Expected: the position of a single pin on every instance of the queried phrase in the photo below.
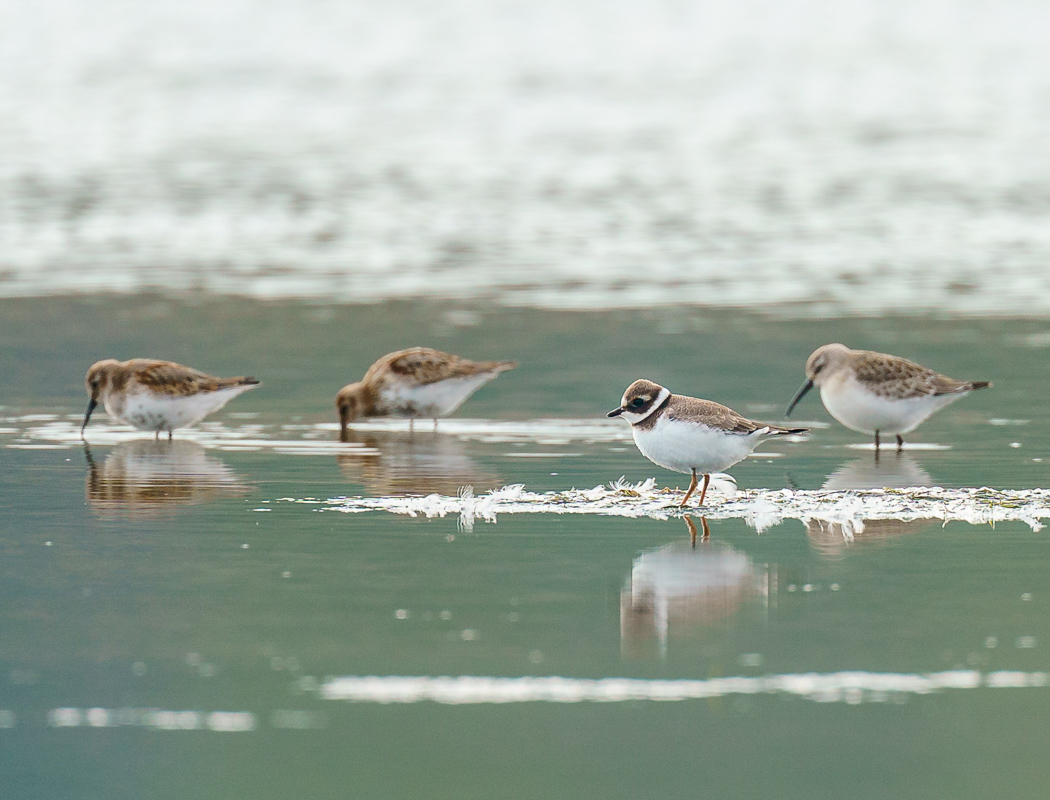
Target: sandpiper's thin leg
(689, 492)
(411, 423)
(900, 443)
(435, 424)
(170, 434)
(876, 441)
(157, 436)
(703, 492)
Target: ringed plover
(686, 434)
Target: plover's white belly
(685, 446)
(862, 410)
(431, 400)
(151, 411)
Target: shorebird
(686, 434)
(158, 395)
(877, 393)
(418, 383)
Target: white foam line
(49, 428)
(850, 687)
(555, 431)
(760, 509)
(65, 434)
(159, 719)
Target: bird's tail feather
(776, 430)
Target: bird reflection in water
(412, 463)
(684, 587)
(896, 472)
(831, 538)
(148, 476)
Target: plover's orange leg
(689, 492)
(703, 492)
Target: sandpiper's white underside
(153, 411)
(859, 409)
(683, 446)
(432, 400)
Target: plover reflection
(683, 587)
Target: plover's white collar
(690, 435)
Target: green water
(193, 601)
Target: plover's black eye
(638, 402)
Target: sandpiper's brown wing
(175, 379)
(898, 378)
(425, 365)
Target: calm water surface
(161, 636)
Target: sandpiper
(878, 393)
(418, 383)
(686, 434)
(158, 395)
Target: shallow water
(194, 617)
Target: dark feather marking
(900, 379)
(714, 415)
(426, 366)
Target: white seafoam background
(839, 157)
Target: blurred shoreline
(813, 158)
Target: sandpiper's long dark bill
(157, 396)
(690, 435)
(417, 383)
(798, 396)
(876, 393)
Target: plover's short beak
(615, 412)
(91, 407)
(801, 393)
